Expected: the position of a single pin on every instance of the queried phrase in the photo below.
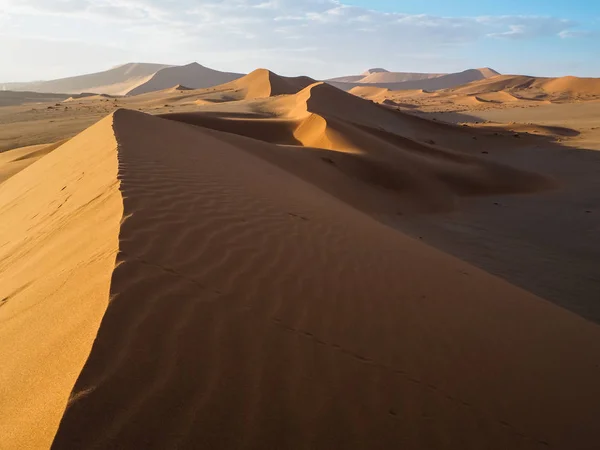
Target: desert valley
(193, 258)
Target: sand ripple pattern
(250, 310)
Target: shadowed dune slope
(193, 76)
(251, 310)
(58, 244)
(377, 156)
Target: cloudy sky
(45, 39)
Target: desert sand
(269, 263)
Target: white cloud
(566, 34)
(227, 32)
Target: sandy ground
(247, 286)
(545, 243)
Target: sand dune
(253, 302)
(379, 155)
(260, 83)
(250, 309)
(58, 244)
(524, 87)
(131, 79)
(496, 91)
(194, 76)
(379, 75)
(118, 81)
(397, 77)
(497, 97)
(371, 93)
(410, 81)
(573, 85)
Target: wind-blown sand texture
(58, 243)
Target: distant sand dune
(523, 87)
(194, 76)
(495, 91)
(410, 81)
(118, 81)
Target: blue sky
(43, 39)
(577, 9)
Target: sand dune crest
(251, 310)
(58, 244)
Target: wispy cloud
(177, 31)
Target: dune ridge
(58, 244)
(249, 309)
(261, 83)
(386, 167)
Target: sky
(47, 39)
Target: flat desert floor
(276, 263)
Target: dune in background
(534, 88)
(383, 75)
(130, 79)
(192, 76)
(513, 91)
(410, 81)
(118, 81)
